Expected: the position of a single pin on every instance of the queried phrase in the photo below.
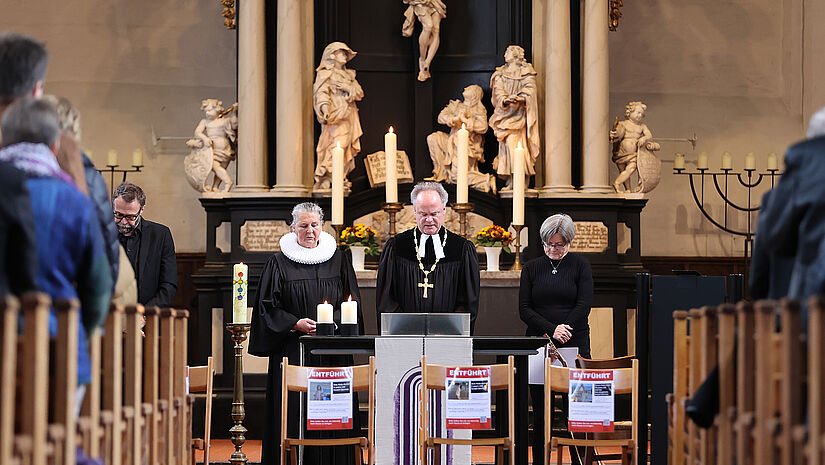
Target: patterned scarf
(36, 160)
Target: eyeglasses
(556, 246)
(119, 216)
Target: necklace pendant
(555, 271)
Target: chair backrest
(816, 376)
(745, 371)
(604, 363)
(65, 368)
(9, 308)
(200, 380)
(35, 396)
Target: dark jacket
(156, 267)
(18, 255)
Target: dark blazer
(18, 253)
(157, 272)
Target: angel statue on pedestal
(213, 147)
(334, 94)
(633, 148)
(443, 146)
(430, 13)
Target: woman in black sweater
(554, 299)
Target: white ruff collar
(297, 253)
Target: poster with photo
(468, 398)
(329, 398)
(591, 400)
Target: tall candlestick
(773, 162)
(338, 184)
(679, 161)
(324, 313)
(750, 161)
(111, 158)
(702, 161)
(349, 312)
(461, 190)
(137, 157)
(518, 185)
(240, 280)
(391, 169)
(727, 161)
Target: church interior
(665, 217)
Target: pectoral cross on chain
(426, 284)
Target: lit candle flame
(325, 302)
(338, 144)
(349, 299)
(463, 126)
(519, 145)
(390, 129)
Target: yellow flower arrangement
(493, 236)
(360, 235)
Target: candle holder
(517, 263)
(238, 332)
(392, 208)
(349, 330)
(462, 209)
(325, 329)
(338, 228)
(112, 169)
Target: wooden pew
(33, 408)
(726, 318)
(680, 387)
(88, 424)
(183, 439)
(793, 365)
(816, 381)
(766, 425)
(133, 388)
(68, 321)
(166, 385)
(112, 412)
(9, 310)
(745, 389)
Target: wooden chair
(112, 410)
(625, 381)
(133, 385)
(9, 309)
(65, 381)
(501, 378)
(294, 378)
(726, 318)
(676, 400)
(745, 382)
(89, 424)
(793, 379)
(151, 380)
(766, 424)
(621, 428)
(200, 380)
(816, 381)
(166, 383)
(183, 442)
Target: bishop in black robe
(287, 292)
(452, 287)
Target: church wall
(731, 71)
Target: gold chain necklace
(426, 284)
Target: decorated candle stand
(519, 186)
(238, 330)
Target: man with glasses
(148, 245)
(428, 269)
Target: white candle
(702, 161)
(773, 163)
(240, 280)
(462, 175)
(391, 169)
(324, 313)
(111, 158)
(338, 184)
(727, 161)
(750, 161)
(137, 157)
(679, 161)
(518, 185)
(349, 312)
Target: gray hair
(307, 207)
(129, 192)
(429, 186)
(30, 120)
(816, 127)
(558, 224)
(68, 114)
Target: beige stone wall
(742, 74)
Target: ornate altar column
(289, 128)
(252, 151)
(595, 99)
(557, 108)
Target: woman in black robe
(309, 270)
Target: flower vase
(492, 257)
(357, 257)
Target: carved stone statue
(430, 13)
(334, 94)
(213, 147)
(515, 115)
(633, 148)
(444, 147)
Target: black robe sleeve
(271, 323)
(467, 298)
(384, 300)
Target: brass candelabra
(517, 263)
(392, 209)
(462, 209)
(238, 332)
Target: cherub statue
(443, 146)
(633, 148)
(213, 146)
(334, 95)
(430, 13)
(515, 118)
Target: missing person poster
(468, 398)
(591, 400)
(329, 398)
